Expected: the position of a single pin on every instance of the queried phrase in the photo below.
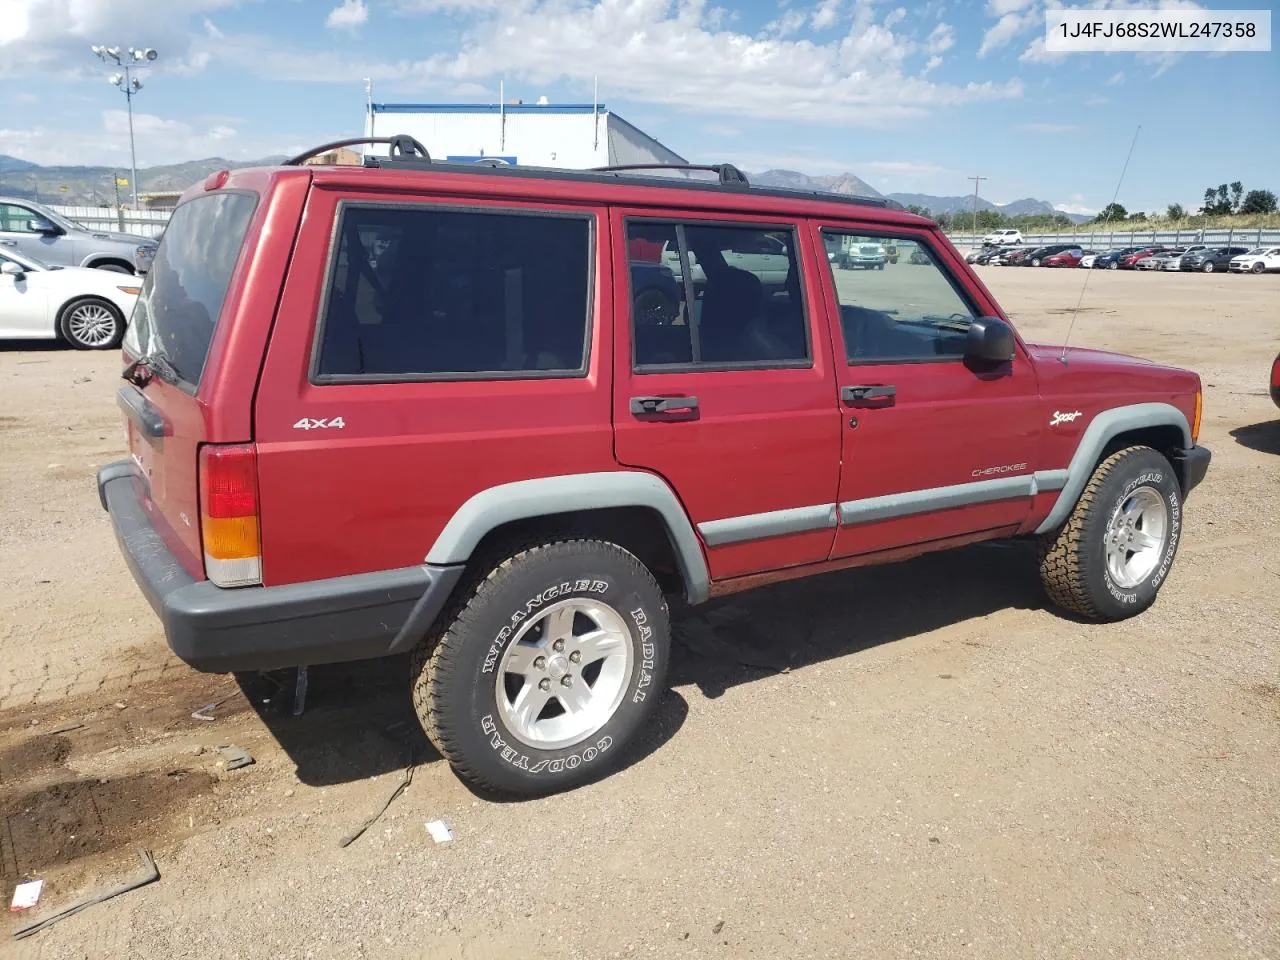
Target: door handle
(663, 406)
(867, 396)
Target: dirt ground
(947, 769)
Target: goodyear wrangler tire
(547, 670)
(1110, 558)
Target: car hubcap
(92, 324)
(1136, 537)
(564, 675)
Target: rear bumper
(220, 630)
(1191, 466)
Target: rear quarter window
(432, 293)
(182, 295)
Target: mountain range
(847, 183)
(96, 185)
(93, 186)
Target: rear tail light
(1275, 373)
(229, 514)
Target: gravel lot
(946, 768)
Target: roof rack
(730, 176)
(402, 145)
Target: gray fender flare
(526, 499)
(1104, 427)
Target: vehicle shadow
(1263, 437)
(359, 721)
(795, 624)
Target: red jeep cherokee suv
(414, 407)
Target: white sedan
(88, 308)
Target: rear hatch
(172, 332)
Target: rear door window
(182, 295)
(430, 293)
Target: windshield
(27, 263)
(182, 296)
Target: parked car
(984, 254)
(1037, 256)
(1015, 257)
(1111, 259)
(1175, 263)
(1130, 261)
(920, 257)
(1087, 260)
(1157, 260)
(479, 456)
(1257, 260)
(87, 308)
(1212, 258)
(1003, 238)
(33, 230)
(1070, 257)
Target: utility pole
(975, 204)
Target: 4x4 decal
(306, 423)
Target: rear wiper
(139, 372)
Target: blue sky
(910, 96)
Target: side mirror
(11, 269)
(990, 342)
(43, 226)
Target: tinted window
(740, 305)
(908, 311)
(13, 219)
(428, 293)
(182, 295)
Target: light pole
(129, 60)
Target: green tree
(1258, 201)
(1175, 212)
(1112, 211)
(1237, 188)
(1138, 216)
(1216, 202)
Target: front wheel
(548, 670)
(1113, 265)
(91, 323)
(1256, 268)
(1207, 268)
(1035, 263)
(1115, 550)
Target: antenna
(1111, 210)
(595, 111)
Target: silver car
(34, 230)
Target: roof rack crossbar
(401, 145)
(730, 176)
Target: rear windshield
(182, 295)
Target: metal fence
(1100, 240)
(144, 223)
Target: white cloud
(789, 23)
(826, 14)
(1049, 127)
(348, 15)
(159, 140)
(671, 52)
(50, 39)
(933, 63)
(941, 39)
(1116, 79)
(998, 8)
(1005, 29)
(1077, 208)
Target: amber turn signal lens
(1195, 424)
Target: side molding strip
(1101, 429)
(526, 499)
(775, 523)
(895, 505)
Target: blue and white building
(570, 135)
